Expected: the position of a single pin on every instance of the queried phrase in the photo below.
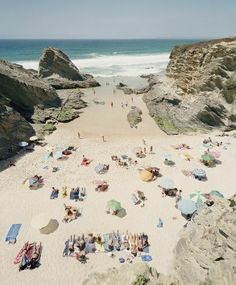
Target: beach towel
(90, 247)
(146, 258)
(12, 233)
(20, 253)
(74, 195)
(54, 194)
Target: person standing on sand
(144, 142)
(151, 149)
(103, 138)
(111, 104)
(79, 135)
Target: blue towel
(54, 194)
(74, 195)
(12, 233)
(146, 258)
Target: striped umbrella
(199, 172)
(197, 197)
(167, 183)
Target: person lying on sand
(70, 214)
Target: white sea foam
(113, 65)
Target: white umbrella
(23, 144)
(33, 138)
(40, 221)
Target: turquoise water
(99, 57)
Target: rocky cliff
(198, 89)
(206, 251)
(26, 101)
(60, 72)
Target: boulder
(60, 72)
(54, 62)
(134, 117)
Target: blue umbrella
(187, 207)
(199, 172)
(216, 194)
(167, 183)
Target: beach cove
(96, 121)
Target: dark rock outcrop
(198, 90)
(23, 90)
(134, 117)
(60, 72)
(25, 100)
(206, 251)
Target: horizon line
(151, 38)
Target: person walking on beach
(144, 142)
(111, 104)
(79, 135)
(103, 138)
(151, 149)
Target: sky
(109, 19)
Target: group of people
(75, 193)
(133, 244)
(143, 152)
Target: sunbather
(70, 214)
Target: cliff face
(198, 89)
(23, 89)
(207, 249)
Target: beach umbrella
(145, 175)
(114, 205)
(23, 144)
(197, 197)
(167, 155)
(40, 221)
(51, 227)
(33, 138)
(99, 168)
(199, 172)
(216, 194)
(166, 183)
(208, 157)
(58, 154)
(187, 207)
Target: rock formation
(134, 116)
(198, 90)
(61, 73)
(206, 251)
(25, 98)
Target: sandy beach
(19, 204)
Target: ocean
(98, 57)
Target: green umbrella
(216, 194)
(207, 157)
(114, 205)
(197, 197)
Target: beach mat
(12, 233)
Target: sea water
(98, 57)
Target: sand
(19, 204)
